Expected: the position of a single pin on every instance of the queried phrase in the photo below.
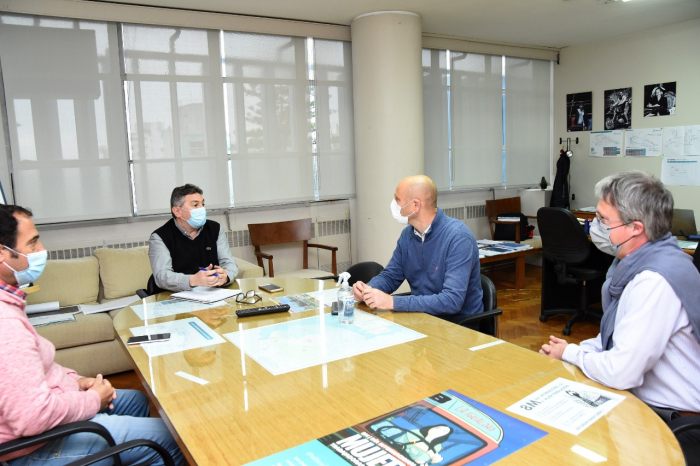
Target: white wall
(666, 54)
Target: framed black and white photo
(660, 99)
(579, 111)
(618, 108)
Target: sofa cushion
(93, 328)
(70, 282)
(123, 271)
(248, 270)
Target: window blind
(65, 117)
(176, 114)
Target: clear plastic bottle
(346, 300)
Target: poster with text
(660, 99)
(579, 111)
(618, 108)
(444, 429)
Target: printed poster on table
(444, 429)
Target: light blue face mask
(37, 262)
(198, 217)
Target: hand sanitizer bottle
(346, 300)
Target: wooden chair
(262, 234)
(496, 207)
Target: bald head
(420, 187)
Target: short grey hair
(638, 196)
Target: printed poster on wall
(660, 99)
(618, 108)
(579, 111)
(606, 143)
(445, 429)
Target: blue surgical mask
(37, 262)
(198, 217)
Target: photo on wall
(660, 99)
(618, 108)
(579, 111)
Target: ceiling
(550, 23)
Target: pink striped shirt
(36, 394)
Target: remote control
(258, 311)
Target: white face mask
(396, 212)
(600, 235)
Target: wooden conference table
(245, 413)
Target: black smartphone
(270, 288)
(148, 338)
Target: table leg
(520, 272)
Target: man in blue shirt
(436, 254)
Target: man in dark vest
(190, 250)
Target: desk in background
(245, 413)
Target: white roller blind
(476, 85)
(527, 127)
(6, 194)
(436, 117)
(269, 118)
(176, 114)
(65, 117)
(334, 118)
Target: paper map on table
(301, 343)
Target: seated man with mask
(188, 250)
(436, 254)
(649, 340)
(36, 393)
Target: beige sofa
(88, 344)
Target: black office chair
(488, 320)
(572, 266)
(362, 271)
(112, 451)
(150, 290)
(687, 431)
(696, 258)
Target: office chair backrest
(696, 259)
(490, 298)
(280, 232)
(562, 236)
(364, 272)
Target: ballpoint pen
(202, 268)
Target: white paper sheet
(692, 140)
(205, 294)
(172, 307)
(680, 171)
(643, 142)
(606, 143)
(185, 334)
(108, 306)
(674, 141)
(567, 405)
(43, 307)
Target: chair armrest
(323, 246)
(406, 293)
(263, 255)
(481, 316)
(683, 424)
(58, 432)
(142, 293)
(114, 452)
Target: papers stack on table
(488, 247)
(205, 294)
